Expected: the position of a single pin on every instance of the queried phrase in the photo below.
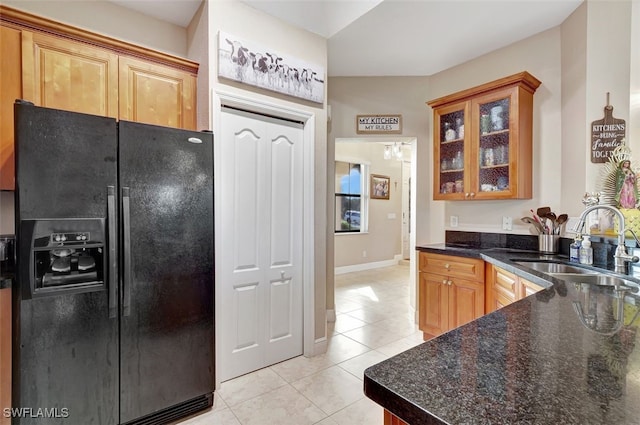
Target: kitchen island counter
(531, 362)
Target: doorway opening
(384, 223)
(386, 234)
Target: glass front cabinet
(482, 141)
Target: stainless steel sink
(554, 268)
(598, 280)
(576, 274)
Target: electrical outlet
(507, 223)
(364, 254)
(453, 221)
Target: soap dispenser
(586, 252)
(574, 249)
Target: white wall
(351, 96)
(199, 43)
(246, 23)
(574, 117)
(633, 128)
(608, 70)
(540, 55)
(109, 19)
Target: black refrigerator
(113, 317)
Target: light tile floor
(373, 322)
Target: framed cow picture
(250, 63)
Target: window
(350, 204)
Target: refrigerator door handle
(126, 247)
(113, 257)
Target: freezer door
(65, 346)
(167, 267)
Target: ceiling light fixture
(397, 151)
(393, 151)
(387, 152)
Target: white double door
(259, 267)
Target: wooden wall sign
(606, 134)
(379, 124)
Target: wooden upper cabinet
(68, 75)
(482, 140)
(156, 94)
(60, 66)
(10, 90)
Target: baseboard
(320, 346)
(331, 316)
(368, 266)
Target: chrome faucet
(620, 257)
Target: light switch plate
(453, 221)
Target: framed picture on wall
(379, 186)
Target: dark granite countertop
(532, 362)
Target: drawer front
(452, 266)
(505, 283)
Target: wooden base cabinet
(391, 419)
(450, 292)
(504, 288)
(528, 288)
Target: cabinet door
(10, 90)
(496, 301)
(497, 140)
(502, 288)
(156, 94)
(433, 293)
(391, 419)
(528, 288)
(502, 144)
(466, 301)
(451, 152)
(63, 74)
(505, 283)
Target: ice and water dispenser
(65, 255)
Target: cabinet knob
(473, 194)
(444, 281)
(466, 195)
(447, 266)
(449, 282)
